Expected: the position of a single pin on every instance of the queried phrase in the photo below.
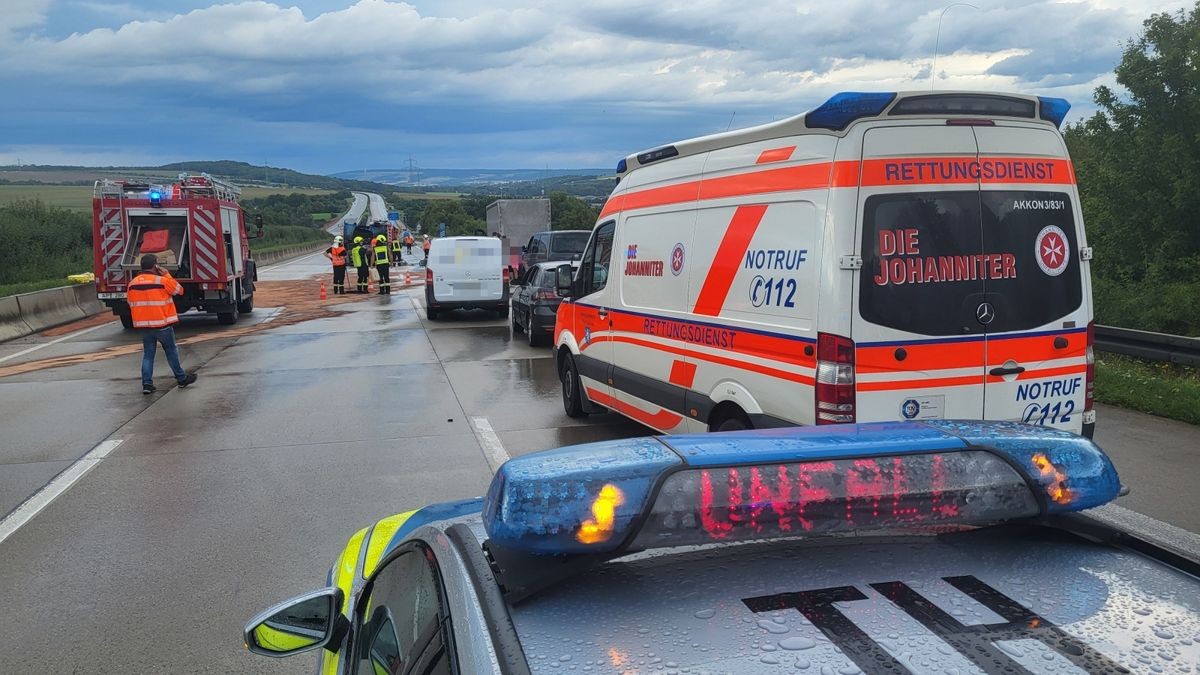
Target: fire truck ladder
(206, 185)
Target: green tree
(1137, 162)
(451, 212)
(570, 213)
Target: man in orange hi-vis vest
(153, 312)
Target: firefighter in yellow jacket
(383, 264)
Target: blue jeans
(150, 340)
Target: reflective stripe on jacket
(357, 257)
(150, 303)
(338, 255)
(381, 254)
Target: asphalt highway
(198, 507)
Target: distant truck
(516, 221)
(195, 227)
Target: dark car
(535, 303)
(553, 245)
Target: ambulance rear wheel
(572, 401)
(730, 419)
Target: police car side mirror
(563, 280)
(302, 624)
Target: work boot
(148, 389)
(191, 377)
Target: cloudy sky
(326, 85)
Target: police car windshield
(973, 601)
(930, 259)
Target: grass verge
(1160, 389)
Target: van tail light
(835, 379)
(428, 277)
(504, 274)
(1089, 383)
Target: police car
(935, 546)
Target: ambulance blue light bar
(1054, 109)
(841, 109)
(694, 489)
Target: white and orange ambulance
(883, 257)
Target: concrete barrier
(12, 326)
(48, 308)
(85, 299)
(28, 313)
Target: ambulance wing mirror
(563, 280)
(302, 624)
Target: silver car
(933, 547)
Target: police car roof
(835, 115)
(1046, 599)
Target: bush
(39, 243)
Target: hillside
(240, 173)
(459, 177)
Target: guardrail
(1150, 346)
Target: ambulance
(885, 256)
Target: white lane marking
(52, 490)
(68, 336)
(493, 449)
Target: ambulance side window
(593, 268)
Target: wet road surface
(239, 491)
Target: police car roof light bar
(613, 497)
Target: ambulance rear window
(931, 259)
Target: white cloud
(272, 63)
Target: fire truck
(194, 226)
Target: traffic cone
(322, 290)
(407, 278)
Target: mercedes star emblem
(985, 313)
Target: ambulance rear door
(920, 350)
(1037, 338)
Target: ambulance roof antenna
(938, 41)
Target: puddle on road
(298, 301)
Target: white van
(882, 257)
(465, 273)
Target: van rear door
(1037, 342)
(467, 269)
(920, 350)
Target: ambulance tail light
(428, 277)
(1089, 385)
(835, 379)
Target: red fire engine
(194, 226)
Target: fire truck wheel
(126, 321)
(228, 318)
(246, 305)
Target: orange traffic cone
(407, 278)
(322, 290)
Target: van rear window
(472, 251)
(568, 244)
(930, 260)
